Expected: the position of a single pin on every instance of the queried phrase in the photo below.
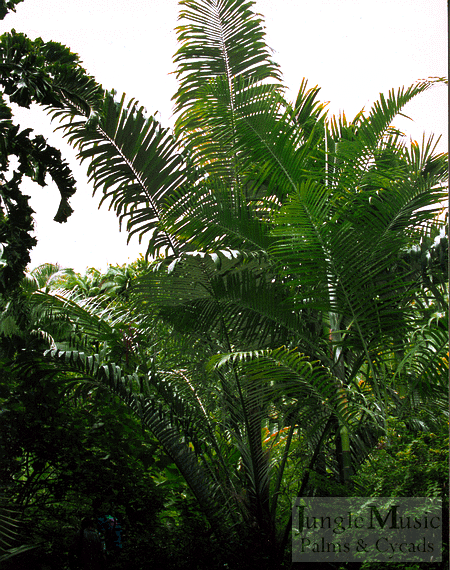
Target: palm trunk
(343, 436)
(287, 529)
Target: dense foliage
(290, 325)
(30, 71)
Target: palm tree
(278, 236)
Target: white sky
(352, 49)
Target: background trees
(284, 320)
(31, 71)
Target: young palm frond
(220, 40)
(369, 148)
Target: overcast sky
(352, 49)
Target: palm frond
(353, 147)
(222, 56)
(345, 245)
(307, 110)
(293, 375)
(45, 276)
(17, 550)
(371, 128)
(10, 526)
(236, 301)
(270, 135)
(12, 531)
(219, 39)
(136, 164)
(423, 369)
(211, 217)
(66, 320)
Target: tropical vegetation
(287, 326)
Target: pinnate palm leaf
(12, 531)
(222, 54)
(286, 147)
(65, 316)
(212, 217)
(353, 146)
(136, 164)
(221, 297)
(424, 366)
(219, 38)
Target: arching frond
(136, 164)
